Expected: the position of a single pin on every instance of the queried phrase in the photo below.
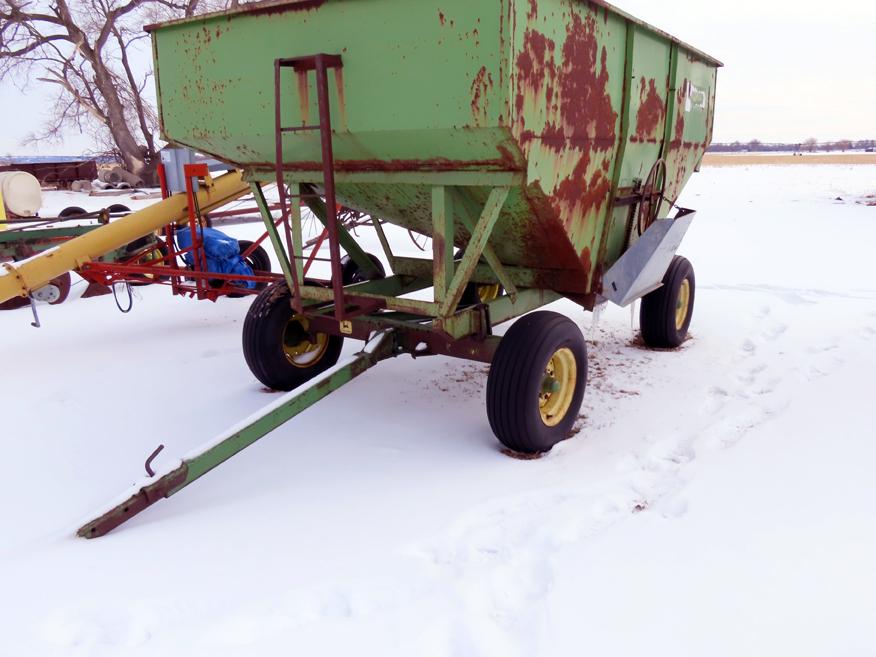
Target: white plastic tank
(21, 193)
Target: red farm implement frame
(158, 260)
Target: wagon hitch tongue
(239, 437)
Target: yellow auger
(24, 277)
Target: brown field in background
(729, 160)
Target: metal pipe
(24, 277)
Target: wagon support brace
(454, 282)
(242, 436)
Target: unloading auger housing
(23, 278)
(540, 144)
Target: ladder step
(309, 63)
(300, 128)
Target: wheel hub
(558, 387)
(297, 345)
(488, 292)
(682, 304)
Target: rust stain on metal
(580, 124)
(588, 120)
(303, 95)
(145, 497)
(585, 106)
(651, 112)
(536, 70)
(342, 103)
(483, 82)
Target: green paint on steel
(533, 89)
(273, 233)
(468, 216)
(442, 241)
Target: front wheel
(536, 382)
(666, 312)
(278, 346)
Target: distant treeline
(810, 145)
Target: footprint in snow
(775, 332)
(749, 376)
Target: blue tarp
(222, 251)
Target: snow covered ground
(717, 501)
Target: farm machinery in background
(189, 255)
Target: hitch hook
(151, 458)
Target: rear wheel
(278, 346)
(351, 272)
(536, 382)
(666, 312)
(258, 260)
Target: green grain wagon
(541, 144)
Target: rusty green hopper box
(577, 98)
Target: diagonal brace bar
(479, 238)
(468, 209)
(273, 234)
(240, 437)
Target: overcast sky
(793, 69)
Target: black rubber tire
(118, 208)
(350, 272)
(72, 211)
(63, 284)
(264, 330)
(516, 376)
(258, 260)
(657, 314)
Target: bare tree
(83, 49)
(810, 144)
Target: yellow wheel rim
(151, 256)
(682, 305)
(488, 293)
(558, 387)
(298, 348)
